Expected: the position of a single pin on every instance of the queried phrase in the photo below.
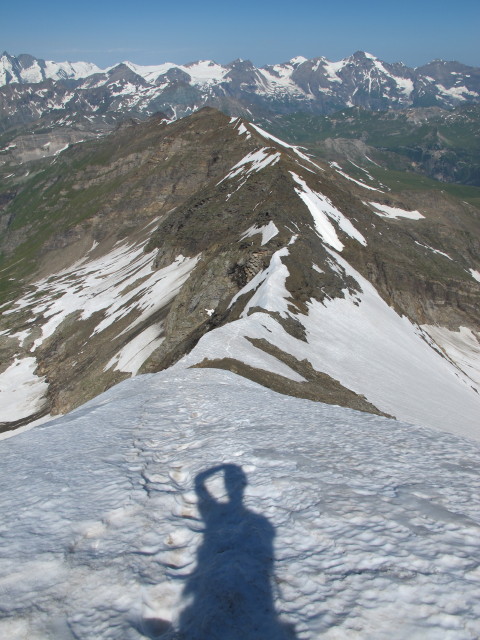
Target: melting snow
(286, 145)
(22, 392)
(475, 274)
(256, 159)
(339, 170)
(385, 211)
(322, 211)
(117, 284)
(62, 149)
(268, 232)
(426, 246)
(131, 357)
(114, 284)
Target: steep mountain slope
(210, 238)
(133, 519)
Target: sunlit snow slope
(197, 504)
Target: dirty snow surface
(196, 504)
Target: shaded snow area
(268, 286)
(22, 392)
(196, 504)
(384, 211)
(462, 346)
(369, 348)
(131, 357)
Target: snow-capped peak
(298, 60)
(27, 69)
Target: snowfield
(196, 504)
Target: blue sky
(148, 32)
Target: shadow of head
(235, 482)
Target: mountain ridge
(209, 242)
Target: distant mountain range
(34, 88)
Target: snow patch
(426, 246)
(116, 284)
(384, 211)
(339, 170)
(323, 211)
(257, 160)
(475, 274)
(462, 347)
(268, 232)
(298, 60)
(296, 150)
(385, 357)
(458, 92)
(269, 286)
(231, 341)
(22, 392)
(131, 357)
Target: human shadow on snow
(230, 592)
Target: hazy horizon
(148, 32)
